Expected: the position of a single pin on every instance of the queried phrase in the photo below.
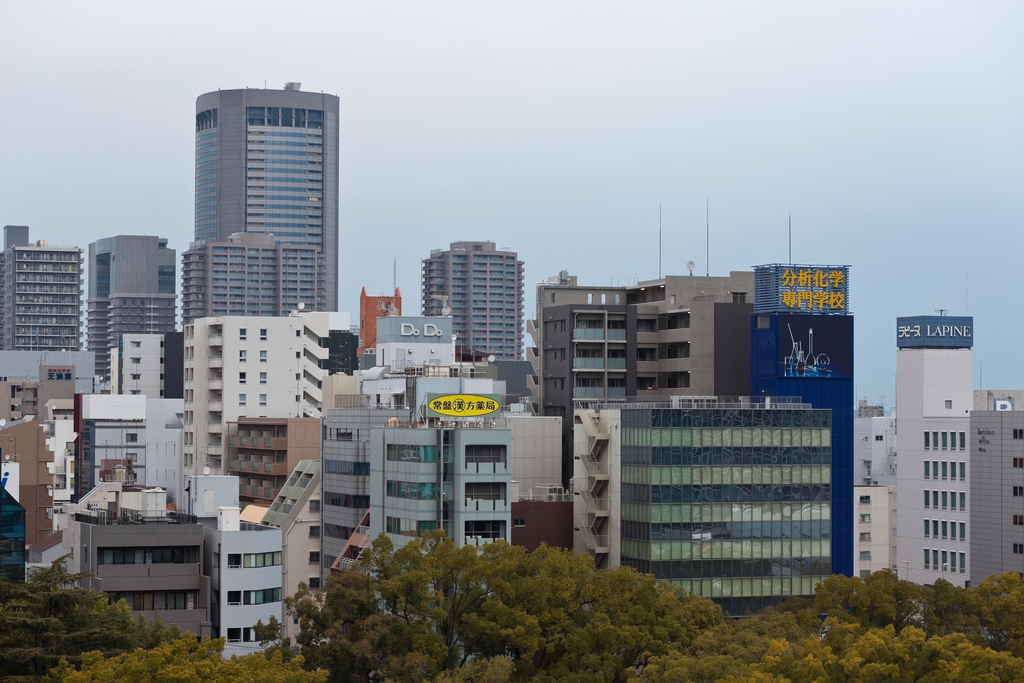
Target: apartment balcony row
(598, 363)
(278, 443)
(276, 468)
(599, 333)
(598, 392)
(261, 492)
(481, 505)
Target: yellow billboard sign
(463, 405)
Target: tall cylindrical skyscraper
(267, 163)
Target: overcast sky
(891, 131)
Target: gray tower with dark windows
(131, 291)
(267, 163)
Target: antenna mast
(659, 241)
(790, 239)
(707, 236)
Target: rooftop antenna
(394, 276)
(790, 239)
(659, 241)
(707, 236)
(967, 294)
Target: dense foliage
(431, 611)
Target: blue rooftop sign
(935, 332)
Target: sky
(890, 132)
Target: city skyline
(558, 132)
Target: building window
(927, 440)
(142, 601)
(927, 528)
(879, 437)
(963, 500)
(1018, 491)
(234, 597)
(927, 558)
(963, 441)
(865, 555)
(963, 531)
(944, 500)
(865, 518)
(944, 529)
(935, 528)
(314, 506)
(314, 531)
(963, 563)
(241, 378)
(927, 499)
(241, 334)
(1018, 433)
(235, 634)
(263, 356)
(261, 597)
(949, 405)
(1018, 462)
(241, 355)
(263, 334)
(268, 559)
(1018, 548)
(865, 536)
(963, 471)
(944, 440)
(241, 402)
(865, 500)
(234, 560)
(314, 557)
(927, 469)
(263, 378)
(519, 522)
(263, 400)
(131, 438)
(1018, 520)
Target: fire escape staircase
(592, 522)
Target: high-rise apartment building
(934, 399)
(681, 335)
(247, 367)
(250, 275)
(484, 289)
(40, 294)
(267, 163)
(131, 290)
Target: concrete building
(25, 365)
(111, 440)
(48, 396)
(131, 290)
(40, 294)
(13, 553)
(865, 410)
(267, 163)
(247, 367)
(139, 551)
(875, 528)
(60, 441)
(997, 486)
(263, 451)
(874, 451)
(148, 365)
(411, 493)
(371, 308)
(296, 512)
(252, 275)
(24, 442)
(244, 562)
(346, 471)
(729, 498)
(542, 516)
(163, 446)
(674, 336)
(483, 287)
(934, 399)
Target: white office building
(244, 565)
(874, 529)
(934, 399)
(247, 367)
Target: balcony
(215, 362)
(215, 428)
(588, 363)
(616, 391)
(587, 333)
(588, 392)
(616, 363)
(616, 335)
(216, 340)
(215, 406)
(215, 385)
(486, 505)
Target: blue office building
(12, 537)
(801, 344)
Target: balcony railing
(588, 392)
(587, 333)
(588, 363)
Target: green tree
(52, 617)
(184, 660)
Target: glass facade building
(732, 503)
(267, 163)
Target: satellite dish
(690, 265)
(302, 306)
(490, 359)
(3, 422)
(206, 470)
